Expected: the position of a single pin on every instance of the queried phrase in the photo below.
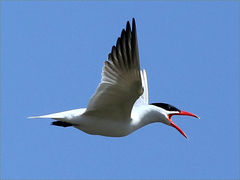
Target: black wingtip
(118, 42)
(128, 27)
(133, 22)
(114, 51)
(134, 28)
(110, 56)
(123, 33)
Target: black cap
(165, 106)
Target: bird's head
(168, 111)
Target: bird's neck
(144, 115)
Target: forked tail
(64, 119)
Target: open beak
(180, 113)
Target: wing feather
(121, 83)
(143, 99)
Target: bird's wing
(121, 83)
(143, 99)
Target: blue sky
(52, 53)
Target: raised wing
(143, 99)
(121, 83)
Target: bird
(120, 104)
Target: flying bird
(120, 104)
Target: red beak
(187, 114)
(180, 113)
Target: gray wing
(121, 83)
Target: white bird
(120, 104)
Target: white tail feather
(62, 116)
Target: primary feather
(121, 83)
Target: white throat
(143, 115)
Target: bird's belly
(105, 127)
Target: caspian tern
(120, 104)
